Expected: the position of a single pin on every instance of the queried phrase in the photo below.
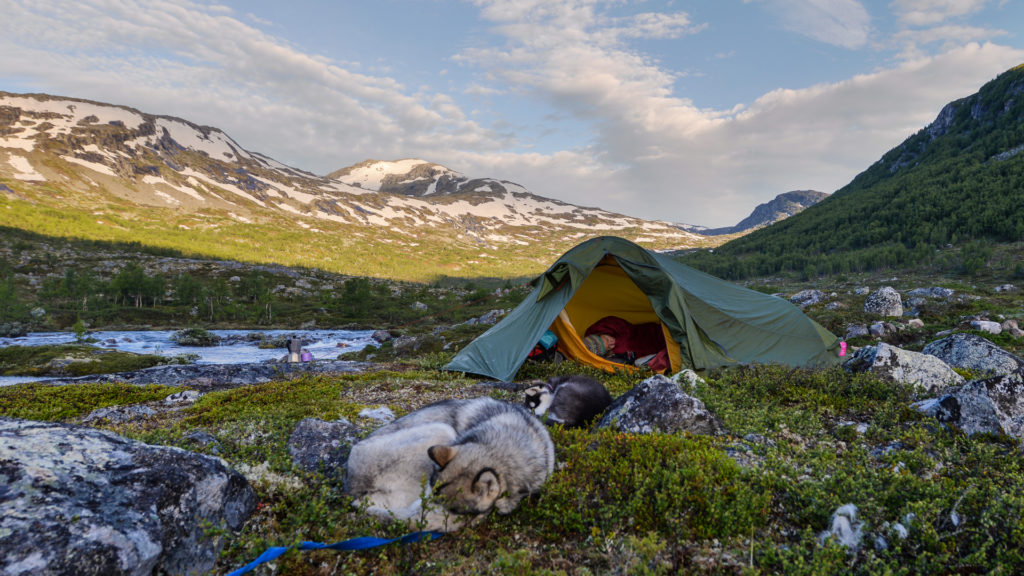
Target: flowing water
(236, 347)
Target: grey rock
(917, 302)
(381, 414)
(491, 317)
(207, 377)
(935, 293)
(861, 291)
(806, 298)
(689, 377)
(1006, 393)
(381, 336)
(884, 302)
(119, 414)
(78, 500)
(1006, 288)
(204, 440)
(856, 331)
(987, 326)
(316, 444)
(659, 405)
(904, 366)
(882, 329)
(972, 352)
(844, 528)
(992, 405)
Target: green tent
(708, 323)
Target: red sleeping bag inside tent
(639, 339)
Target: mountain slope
(71, 167)
(959, 181)
(781, 207)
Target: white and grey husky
(471, 455)
(572, 401)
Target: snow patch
(371, 176)
(20, 143)
(215, 144)
(168, 198)
(24, 170)
(222, 185)
(71, 112)
(95, 166)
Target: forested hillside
(958, 184)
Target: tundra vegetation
(756, 500)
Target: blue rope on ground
(361, 543)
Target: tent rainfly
(708, 323)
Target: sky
(686, 111)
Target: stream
(236, 347)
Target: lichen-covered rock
(991, 405)
(806, 298)
(935, 293)
(882, 329)
(904, 366)
(659, 405)
(77, 500)
(885, 301)
(318, 445)
(972, 352)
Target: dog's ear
(486, 487)
(441, 454)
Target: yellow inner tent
(607, 291)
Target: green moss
(72, 360)
(681, 488)
(60, 403)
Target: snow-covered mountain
(88, 150)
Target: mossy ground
(750, 502)
(74, 360)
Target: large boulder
(319, 445)
(904, 366)
(972, 352)
(885, 301)
(991, 405)
(76, 500)
(659, 405)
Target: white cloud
(844, 23)
(930, 12)
(701, 167)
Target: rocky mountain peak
(781, 207)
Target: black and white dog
(572, 401)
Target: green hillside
(956, 185)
